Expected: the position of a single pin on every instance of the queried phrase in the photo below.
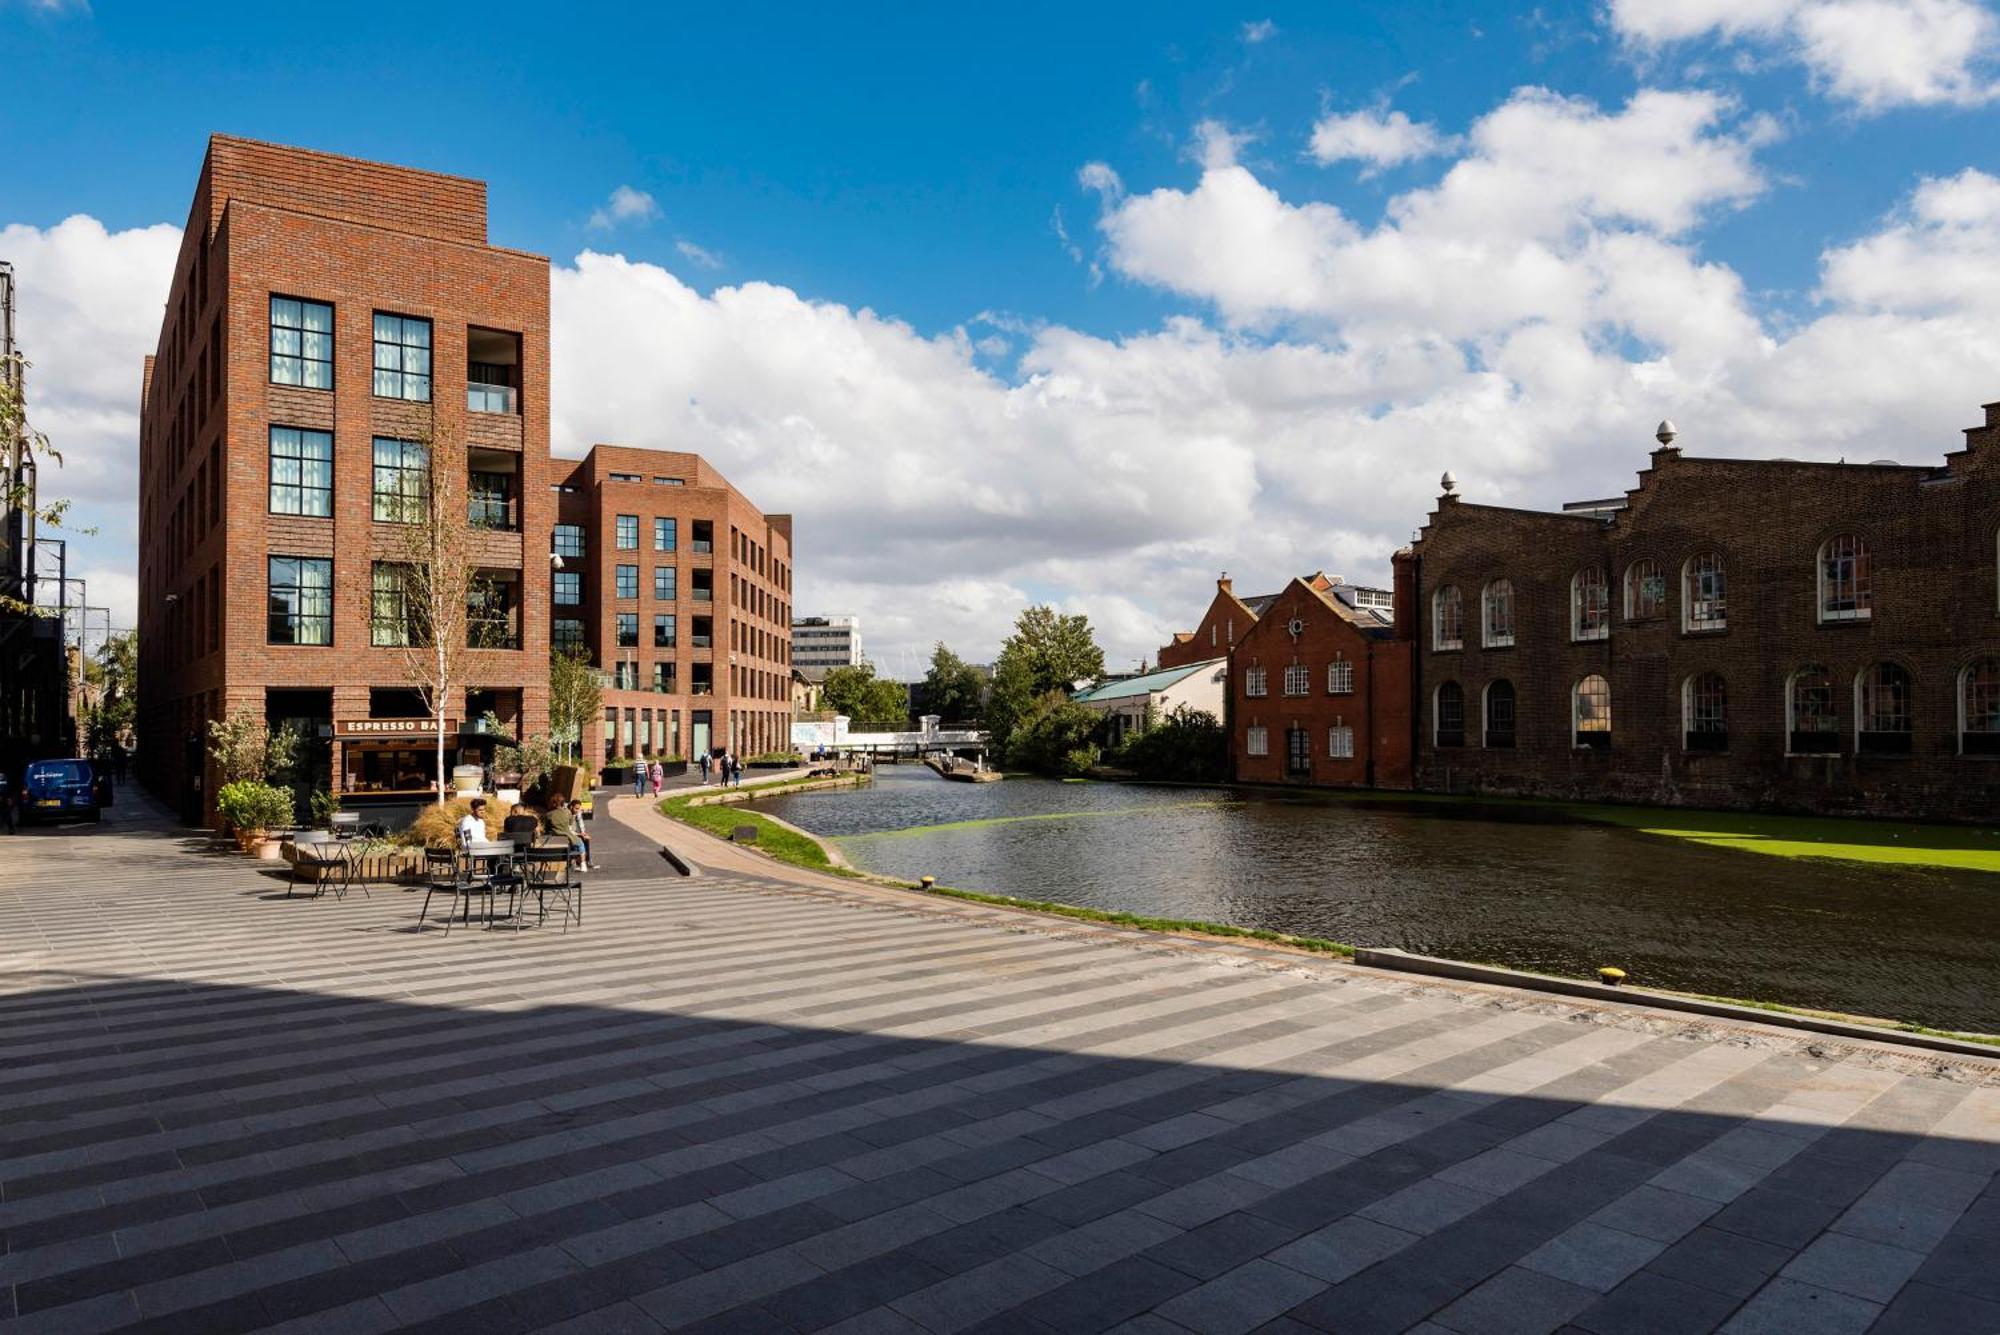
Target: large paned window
(1844, 593)
(1812, 724)
(569, 540)
(1979, 708)
(665, 584)
(1704, 594)
(301, 471)
(301, 600)
(1298, 679)
(1448, 714)
(626, 581)
(1645, 591)
(1497, 615)
(1340, 677)
(389, 605)
(566, 634)
(1500, 714)
(1298, 752)
(1590, 713)
(1255, 682)
(665, 634)
(1447, 618)
(569, 588)
(1705, 713)
(628, 630)
(402, 357)
(1589, 605)
(1882, 710)
(402, 481)
(626, 533)
(1340, 742)
(665, 534)
(1257, 741)
(301, 343)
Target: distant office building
(826, 642)
(680, 589)
(330, 323)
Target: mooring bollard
(1610, 976)
(928, 882)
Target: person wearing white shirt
(472, 825)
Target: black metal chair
(323, 861)
(548, 873)
(344, 825)
(456, 876)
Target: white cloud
(1875, 54)
(625, 205)
(699, 255)
(1262, 30)
(1378, 137)
(1099, 177)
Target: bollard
(928, 882)
(1610, 977)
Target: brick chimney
(1223, 584)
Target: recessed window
(1447, 618)
(569, 588)
(627, 628)
(569, 540)
(1705, 713)
(1298, 679)
(1448, 714)
(1589, 605)
(301, 600)
(402, 357)
(402, 481)
(626, 533)
(665, 585)
(627, 581)
(1500, 714)
(1979, 708)
(1882, 710)
(664, 534)
(1645, 591)
(665, 635)
(1590, 713)
(1704, 594)
(301, 471)
(1497, 615)
(1255, 681)
(1257, 741)
(1340, 677)
(566, 634)
(301, 343)
(1340, 742)
(1844, 593)
(389, 605)
(1812, 725)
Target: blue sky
(926, 166)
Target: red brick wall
(1373, 709)
(1226, 621)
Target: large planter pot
(465, 779)
(270, 848)
(246, 840)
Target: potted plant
(253, 809)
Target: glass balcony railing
(493, 512)
(491, 398)
(702, 641)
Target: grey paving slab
(750, 1104)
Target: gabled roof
(1145, 684)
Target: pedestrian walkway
(742, 1102)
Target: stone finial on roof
(1448, 482)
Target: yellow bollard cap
(927, 882)
(1610, 976)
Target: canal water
(1494, 883)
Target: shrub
(248, 804)
(1187, 746)
(437, 826)
(324, 806)
(1052, 736)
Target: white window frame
(1257, 740)
(1256, 681)
(1340, 677)
(1576, 708)
(1577, 630)
(1340, 742)
(1298, 679)
(1488, 637)
(1439, 640)
(1861, 576)
(1718, 619)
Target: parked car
(54, 789)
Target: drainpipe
(1416, 667)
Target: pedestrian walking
(736, 770)
(704, 768)
(638, 778)
(659, 777)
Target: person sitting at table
(566, 819)
(472, 825)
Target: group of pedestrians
(726, 767)
(643, 775)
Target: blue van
(54, 789)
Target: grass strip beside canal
(1318, 945)
(721, 820)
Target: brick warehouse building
(327, 318)
(681, 589)
(1744, 633)
(1319, 691)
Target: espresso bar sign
(391, 727)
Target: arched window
(1500, 714)
(1882, 710)
(1705, 713)
(1589, 605)
(1812, 727)
(1590, 712)
(1843, 580)
(1497, 618)
(1979, 708)
(1645, 591)
(1448, 714)
(1704, 593)
(1447, 619)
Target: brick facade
(1764, 686)
(1313, 669)
(669, 699)
(362, 238)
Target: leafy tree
(112, 679)
(1187, 746)
(576, 699)
(1052, 736)
(244, 747)
(1047, 652)
(865, 698)
(953, 688)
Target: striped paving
(740, 1103)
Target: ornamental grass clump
(436, 826)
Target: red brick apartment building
(681, 589)
(1742, 633)
(330, 320)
